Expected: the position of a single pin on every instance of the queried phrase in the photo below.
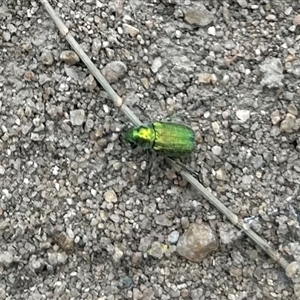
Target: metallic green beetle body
(166, 138)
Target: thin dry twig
(133, 118)
(262, 243)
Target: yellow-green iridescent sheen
(173, 139)
(166, 138)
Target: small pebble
(221, 174)
(96, 46)
(207, 78)
(2, 170)
(6, 258)
(216, 150)
(110, 196)
(272, 70)
(275, 117)
(69, 57)
(197, 242)
(77, 117)
(243, 115)
(163, 220)
(292, 109)
(288, 123)
(247, 179)
(47, 58)
(157, 250)
(11, 28)
(211, 30)
(297, 20)
(215, 127)
(292, 269)
(173, 237)
(198, 15)
(242, 3)
(114, 71)
(145, 83)
(6, 36)
(90, 83)
(130, 30)
(157, 63)
(288, 11)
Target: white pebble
(243, 115)
(211, 30)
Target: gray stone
(110, 196)
(288, 11)
(145, 82)
(69, 57)
(197, 242)
(114, 71)
(216, 150)
(157, 63)
(198, 15)
(136, 258)
(57, 258)
(292, 269)
(157, 250)
(47, 58)
(289, 96)
(163, 220)
(115, 218)
(211, 30)
(292, 109)
(90, 83)
(215, 127)
(207, 78)
(272, 70)
(257, 161)
(243, 115)
(6, 36)
(96, 46)
(77, 117)
(242, 3)
(271, 17)
(44, 78)
(2, 170)
(11, 28)
(247, 179)
(173, 237)
(221, 174)
(130, 30)
(6, 258)
(71, 72)
(36, 137)
(297, 124)
(36, 263)
(64, 241)
(117, 254)
(185, 222)
(229, 45)
(275, 117)
(288, 123)
(296, 71)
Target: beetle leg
(152, 157)
(143, 111)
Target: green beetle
(165, 138)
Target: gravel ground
(77, 220)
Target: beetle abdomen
(173, 139)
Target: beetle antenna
(143, 111)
